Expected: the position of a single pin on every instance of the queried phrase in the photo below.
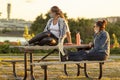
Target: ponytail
(101, 24)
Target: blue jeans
(95, 56)
(83, 55)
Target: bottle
(78, 40)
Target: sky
(30, 9)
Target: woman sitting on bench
(55, 29)
(100, 47)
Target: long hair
(58, 11)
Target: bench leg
(100, 72)
(65, 71)
(45, 71)
(25, 66)
(14, 69)
(78, 69)
(31, 67)
(47, 55)
(85, 70)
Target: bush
(7, 41)
(4, 48)
(15, 50)
(115, 51)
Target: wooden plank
(68, 62)
(41, 47)
(12, 60)
(77, 46)
(29, 60)
(49, 47)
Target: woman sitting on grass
(55, 29)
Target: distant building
(14, 24)
(109, 19)
(113, 19)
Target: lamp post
(0, 13)
(8, 10)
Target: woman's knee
(48, 41)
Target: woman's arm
(65, 30)
(48, 25)
(68, 34)
(69, 37)
(102, 41)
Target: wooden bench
(13, 62)
(45, 64)
(60, 48)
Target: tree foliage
(39, 24)
(84, 26)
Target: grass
(21, 54)
(111, 71)
(38, 54)
(117, 59)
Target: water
(12, 39)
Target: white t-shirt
(55, 29)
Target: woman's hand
(68, 43)
(90, 44)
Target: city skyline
(30, 9)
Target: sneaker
(25, 43)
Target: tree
(38, 25)
(84, 26)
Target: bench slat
(29, 60)
(50, 47)
(12, 60)
(67, 62)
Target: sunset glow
(30, 9)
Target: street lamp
(0, 13)
(8, 10)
